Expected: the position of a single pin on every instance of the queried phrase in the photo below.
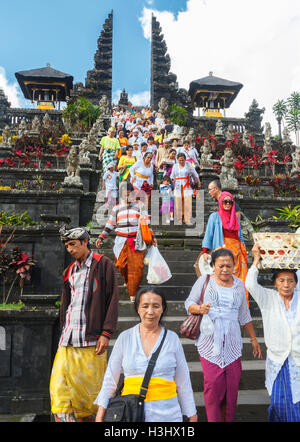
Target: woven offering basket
(278, 250)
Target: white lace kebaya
(220, 340)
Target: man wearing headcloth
(88, 317)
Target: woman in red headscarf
(224, 231)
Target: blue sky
(239, 40)
(64, 33)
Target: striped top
(220, 340)
(75, 324)
(124, 219)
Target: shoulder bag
(190, 328)
(130, 408)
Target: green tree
(177, 115)
(280, 110)
(82, 110)
(293, 114)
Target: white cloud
(10, 90)
(256, 43)
(137, 99)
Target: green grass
(12, 306)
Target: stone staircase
(181, 252)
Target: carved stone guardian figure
(6, 137)
(84, 153)
(163, 107)
(22, 130)
(228, 172)
(296, 161)
(219, 131)
(35, 125)
(267, 139)
(72, 168)
(229, 132)
(206, 161)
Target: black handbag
(130, 407)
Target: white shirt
(281, 330)
(140, 168)
(128, 355)
(181, 172)
(220, 340)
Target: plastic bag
(158, 270)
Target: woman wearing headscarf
(224, 230)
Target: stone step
(175, 308)
(173, 323)
(252, 406)
(191, 353)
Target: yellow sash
(141, 176)
(158, 389)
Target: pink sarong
(221, 387)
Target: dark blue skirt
(282, 408)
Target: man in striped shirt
(124, 220)
(88, 317)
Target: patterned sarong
(76, 379)
(240, 257)
(131, 265)
(108, 157)
(282, 408)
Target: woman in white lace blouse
(224, 310)
(170, 394)
(280, 311)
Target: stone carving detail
(286, 139)
(219, 132)
(163, 107)
(296, 161)
(123, 98)
(228, 172)
(22, 129)
(206, 161)
(99, 80)
(267, 139)
(6, 137)
(229, 132)
(246, 136)
(72, 168)
(84, 153)
(254, 118)
(36, 125)
(4, 105)
(47, 122)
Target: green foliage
(280, 109)
(82, 110)
(290, 214)
(177, 115)
(15, 219)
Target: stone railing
(209, 123)
(16, 115)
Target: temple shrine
(213, 94)
(46, 86)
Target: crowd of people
(83, 381)
(146, 150)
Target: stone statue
(246, 136)
(296, 161)
(84, 153)
(219, 132)
(206, 161)
(229, 132)
(228, 172)
(192, 135)
(47, 121)
(36, 125)
(254, 118)
(93, 138)
(6, 136)
(286, 139)
(22, 130)
(72, 168)
(104, 106)
(163, 107)
(267, 139)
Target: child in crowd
(110, 186)
(167, 207)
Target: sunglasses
(227, 202)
